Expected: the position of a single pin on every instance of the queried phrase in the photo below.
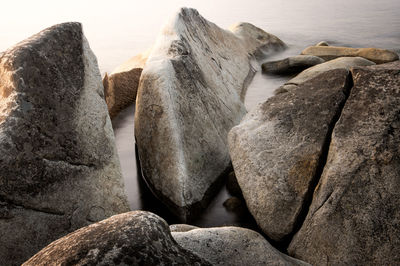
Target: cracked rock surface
(276, 150)
(232, 246)
(59, 169)
(354, 217)
(133, 238)
(189, 97)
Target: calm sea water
(118, 30)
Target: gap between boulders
(321, 165)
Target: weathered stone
(355, 213)
(376, 55)
(343, 62)
(182, 227)
(235, 204)
(189, 98)
(322, 43)
(292, 64)
(277, 148)
(232, 246)
(257, 42)
(120, 87)
(133, 238)
(59, 169)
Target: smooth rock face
(343, 62)
(133, 238)
(291, 64)
(59, 169)
(258, 42)
(277, 148)
(189, 98)
(120, 87)
(376, 55)
(232, 246)
(355, 213)
(322, 43)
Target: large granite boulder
(59, 169)
(232, 246)
(277, 149)
(257, 42)
(376, 55)
(189, 97)
(120, 87)
(354, 217)
(133, 238)
(293, 64)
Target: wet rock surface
(189, 98)
(133, 238)
(59, 169)
(292, 64)
(232, 246)
(376, 55)
(278, 147)
(354, 216)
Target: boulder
(257, 42)
(322, 43)
(376, 55)
(232, 246)
(189, 98)
(120, 87)
(59, 169)
(304, 76)
(133, 238)
(278, 147)
(293, 64)
(354, 217)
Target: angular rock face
(120, 87)
(232, 246)
(257, 42)
(277, 149)
(355, 213)
(133, 238)
(59, 169)
(291, 64)
(376, 55)
(189, 98)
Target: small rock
(133, 238)
(182, 227)
(376, 55)
(236, 205)
(120, 87)
(322, 43)
(292, 64)
(232, 246)
(256, 41)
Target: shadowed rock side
(133, 238)
(59, 169)
(256, 41)
(355, 213)
(232, 246)
(376, 55)
(277, 148)
(120, 87)
(188, 100)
